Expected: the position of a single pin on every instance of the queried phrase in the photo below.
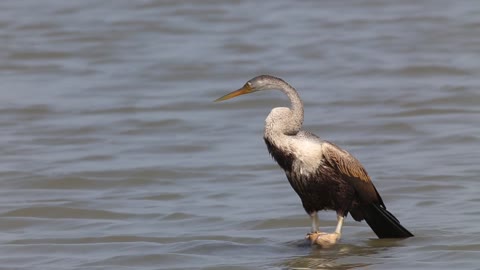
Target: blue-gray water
(113, 155)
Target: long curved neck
(285, 121)
(296, 104)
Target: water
(113, 155)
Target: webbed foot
(323, 239)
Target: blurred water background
(113, 155)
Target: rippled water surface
(113, 155)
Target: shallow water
(113, 155)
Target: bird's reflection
(342, 256)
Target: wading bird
(324, 176)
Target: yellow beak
(246, 89)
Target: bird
(325, 176)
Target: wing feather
(352, 171)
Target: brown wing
(352, 172)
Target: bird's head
(259, 83)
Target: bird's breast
(299, 155)
(308, 156)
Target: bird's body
(308, 172)
(324, 176)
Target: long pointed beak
(246, 89)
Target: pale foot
(323, 239)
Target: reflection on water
(113, 155)
(343, 255)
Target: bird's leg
(315, 222)
(327, 239)
(338, 230)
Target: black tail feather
(383, 223)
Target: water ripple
(113, 154)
